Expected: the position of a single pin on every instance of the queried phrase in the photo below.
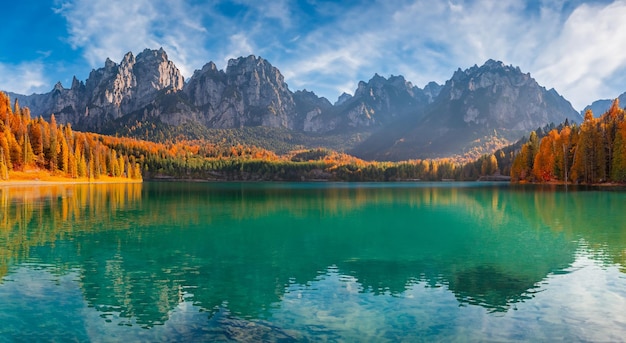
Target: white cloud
(239, 45)
(111, 28)
(24, 78)
(584, 57)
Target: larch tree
(36, 142)
(618, 170)
(589, 158)
(543, 166)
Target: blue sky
(574, 46)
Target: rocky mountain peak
(154, 72)
(248, 64)
(207, 68)
(432, 90)
(343, 98)
(153, 57)
(479, 104)
(128, 60)
(500, 96)
(253, 69)
(77, 84)
(109, 65)
(400, 82)
(493, 76)
(493, 64)
(376, 85)
(58, 87)
(116, 89)
(251, 92)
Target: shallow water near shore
(283, 262)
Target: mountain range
(478, 110)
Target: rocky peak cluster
(149, 88)
(479, 104)
(133, 83)
(110, 92)
(495, 95)
(250, 92)
(381, 100)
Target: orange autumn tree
(33, 144)
(618, 164)
(590, 153)
(544, 163)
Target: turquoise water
(286, 262)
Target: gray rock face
(311, 109)
(499, 96)
(432, 90)
(343, 98)
(206, 87)
(110, 92)
(116, 90)
(65, 103)
(380, 101)
(251, 92)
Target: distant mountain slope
(599, 107)
(491, 103)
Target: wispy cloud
(587, 53)
(111, 28)
(239, 45)
(279, 10)
(24, 78)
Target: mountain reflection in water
(140, 252)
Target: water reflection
(142, 253)
(37, 216)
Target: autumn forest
(594, 152)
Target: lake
(286, 262)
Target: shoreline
(562, 183)
(23, 183)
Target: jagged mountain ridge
(250, 92)
(490, 102)
(149, 90)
